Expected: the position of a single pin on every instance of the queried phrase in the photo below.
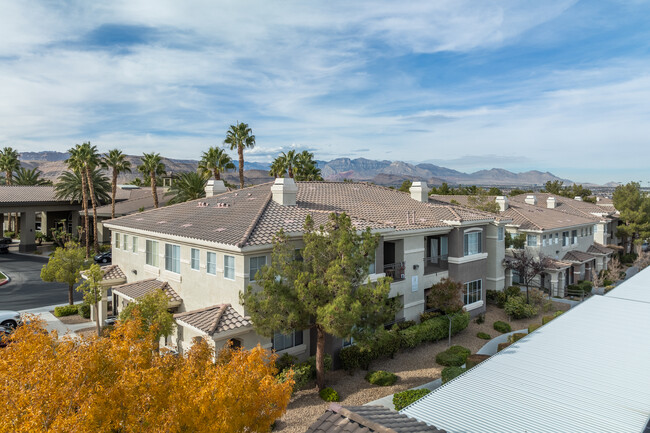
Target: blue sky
(560, 86)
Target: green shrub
(491, 296)
(558, 313)
(381, 378)
(429, 315)
(84, 310)
(328, 394)
(302, 375)
(455, 356)
(609, 288)
(387, 343)
(628, 259)
(403, 325)
(586, 286)
(512, 291)
(547, 319)
(404, 398)
(474, 360)
(502, 346)
(607, 282)
(517, 308)
(449, 373)
(502, 298)
(353, 358)
(327, 363)
(483, 336)
(480, 319)
(67, 310)
(502, 327)
(285, 361)
(513, 338)
(9, 234)
(533, 326)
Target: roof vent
(551, 203)
(502, 201)
(284, 191)
(577, 198)
(215, 187)
(531, 199)
(420, 192)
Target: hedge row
(449, 373)
(455, 356)
(387, 343)
(66, 310)
(404, 398)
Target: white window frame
(228, 271)
(500, 233)
(478, 244)
(283, 342)
(473, 291)
(566, 238)
(251, 274)
(134, 244)
(528, 240)
(574, 236)
(557, 238)
(125, 242)
(117, 241)
(211, 265)
(195, 259)
(173, 258)
(151, 252)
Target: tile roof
(215, 319)
(141, 288)
(577, 256)
(250, 217)
(556, 264)
(568, 205)
(113, 272)
(597, 248)
(137, 199)
(367, 419)
(28, 194)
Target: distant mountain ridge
(389, 173)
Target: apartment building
(205, 252)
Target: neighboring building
(367, 419)
(581, 372)
(209, 250)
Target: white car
(9, 319)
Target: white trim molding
(467, 259)
(413, 304)
(473, 305)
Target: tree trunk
(70, 294)
(113, 191)
(99, 329)
(154, 193)
(217, 175)
(291, 172)
(240, 150)
(91, 187)
(84, 196)
(320, 354)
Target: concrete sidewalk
(54, 324)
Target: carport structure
(28, 201)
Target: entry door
(434, 250)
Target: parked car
(9, 319)
(5, 241)
(4, 249)
(104, 257)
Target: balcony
(433, 265)
(395, 271)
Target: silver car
(9, 319)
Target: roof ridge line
(526, 218)
(217, 319)
(135, 282)
(360, 419)
(200, 310)
(253, 223)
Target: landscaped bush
(404, 398)
(387, 343)
(502, 298)
(455, 356)
(480, 319)
(474, 360)
(502, 327)
(558, 313)
(84, 310)
(628, 259)
(327, 363)
(512, 291)
(285, 361)
(483, 336)
(381, 378)
(302, 375)
(491, 296)
(586, 286)
(607, 282)
(449, 373)
(328, 394)
(429, 315)
(533, 326)
(609, 288)
(517, 308)
(502, 346)
(67, 310)
(513, 338)
(353, 357)
(403, 325)
(547, 319)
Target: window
(151, 251)
(595, 228)
(195, 259)
(544, 240)
(574, 235)
(472, 292)
(371, 268)
(134, 244)
(211, 263)
(229, 267)
(297, 255)
(500, 233)
(565, 239)
(531, 240)
(256, 264)
(117, 241)
(282, 341)
(472, 243)
(348, 342)
(173, 258)
(557, 238)
(125, 242)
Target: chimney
(284, 191)
(551, 203)
(215, 187)
(502, 201)
(577, 198)
(531, 199)
(420, 192)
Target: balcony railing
(433, 265)
(395, 270)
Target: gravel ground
(413, 367)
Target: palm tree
(9, 163)
(290, 161)
(152, 166)
(24, 176)
(68, 186)
(278, 169)
(91, 161)
(240, 137)
(306, 167)
(116, 161)
(216, 161)
(76, 165)
(188, 186)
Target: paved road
(26, 289)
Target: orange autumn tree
(121, 384)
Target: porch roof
(215, 319)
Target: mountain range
(388, 173)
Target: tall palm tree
(76, 165)
(290, 161)
(152, 166)
(216, 161)
(68, 186)
(92, 160)
(24, 176)
(240, 137)
(306, 167)
(116, 161)
(188, 186)
(278, 169)
(9, 163)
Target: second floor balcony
(435, 264)
(395, 271)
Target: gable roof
(367, 419)
(215, 319)
(138, 289)
(568, 205)
(577, 256)
(597, 248)
(137, 199)
(29, 194)
(249, 216)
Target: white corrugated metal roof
(586, 371)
